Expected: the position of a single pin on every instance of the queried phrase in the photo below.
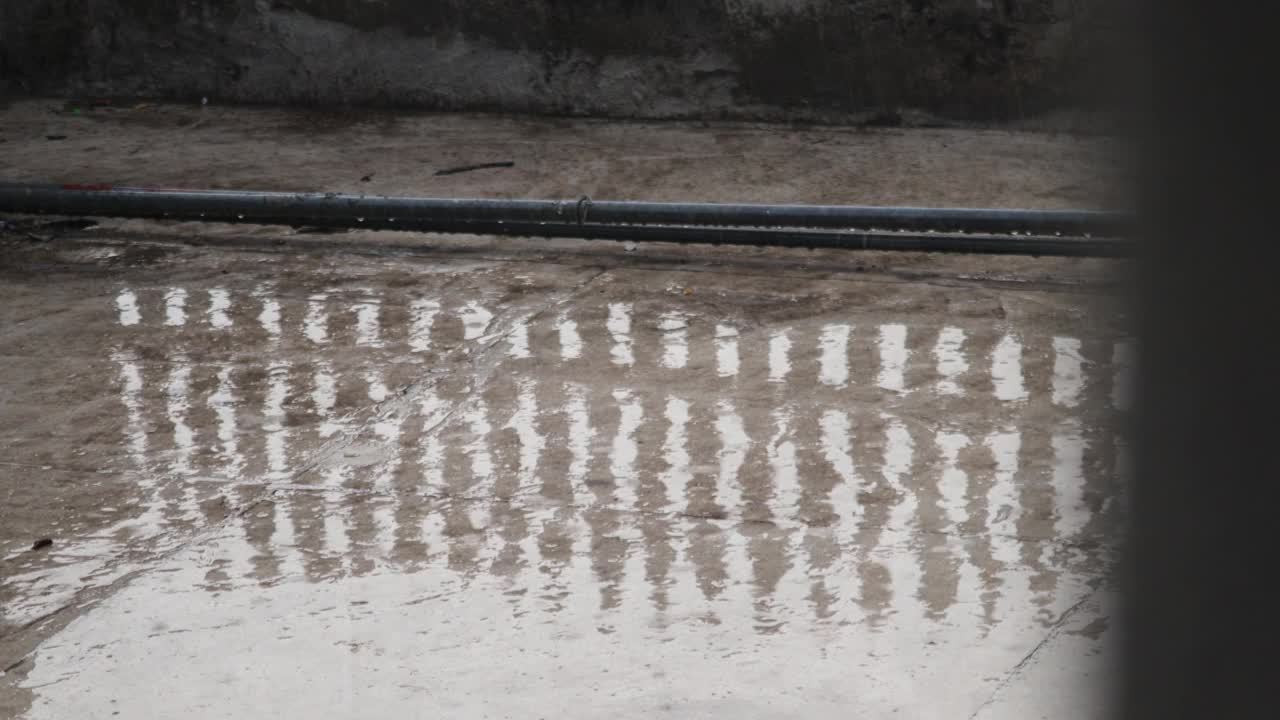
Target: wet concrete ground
(505, 479)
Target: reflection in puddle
(675, 452)
(424, 316)
(656, 504)
(893, 356)
(675, 340)
(315, 325)
(269, 317)
(950, 358)
(837, 449)
(369, 322)
(277, 435)
(835, 355)
(324, 397)
(734, 444)
(127, 304)
(131, 396)
(525, 424)
(782, 459)
(224, 404)
(726, 351)
(570, 341)
(581, 435)
(622, 459)
(1006, 369)
(518, 341)
(954, 483)
(1002, 500)
(779, 357)
(475, 320)
(1068, 377)
(903, 574)
(178, 404)
(619, 326)
(219, 304)
(434, 411)
(1072, 514)
(175, 307)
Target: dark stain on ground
(1093, 630)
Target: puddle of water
(834, 369)
(518, 342)
(269, 317)
(622, 458)
(954, 484)
(277, 435)
(581, 435)
(734, 444)
(675, 451)
(219, 304)
(424, 316)
(675, 340)
(1068, 376)
(525, 424)
(1006, 370)
(619, 326)
(837, 449)
(475, 320)
(127, 305)
(726, 351)
(1072, 513)
(570, 340)
(316, 321)
(779, 357)
(175, 307)
(893, 357)
(951, 361)
(369, 322)
(932, 538)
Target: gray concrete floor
(289, 474)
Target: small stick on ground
(481, 166)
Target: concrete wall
(766, 59)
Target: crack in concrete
(1053, 632)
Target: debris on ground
(29, 227)
(41, 544)
(481, 166)
(319, 230)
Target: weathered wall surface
(965, 59)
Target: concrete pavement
(411, 476)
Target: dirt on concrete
(210, 146)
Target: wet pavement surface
(325, 484)
(288, 474)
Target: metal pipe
(677, 222)
(784, 237)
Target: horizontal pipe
(783, 237)
(1066, 222)
(583, 219)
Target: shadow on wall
(745, 59)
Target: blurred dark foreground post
(1202, 607)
